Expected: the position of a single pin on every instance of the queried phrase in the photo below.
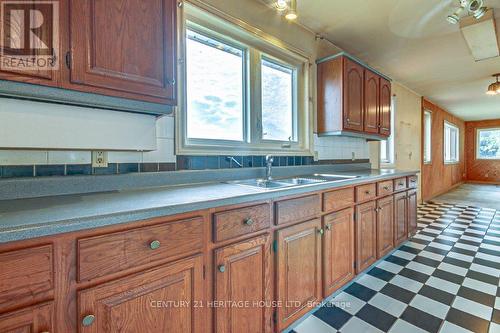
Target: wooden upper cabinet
(385, 226)
(400, 218)
(372, 102)
(412, 212)
(35, 319)
(353, 95)
(366, 235)
(298, 269)
(139, 303)
(243, 274)
(338, 250)
(125, 48)
(385, 107)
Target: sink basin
(262, 183)
(334, 178)
(302, 181)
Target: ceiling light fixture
(471, 7)
(292, 12)
(281, 5)
(494, 88)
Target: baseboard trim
(483, 182)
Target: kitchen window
(451, 143)
(488, 144)
(242, 94)
(387, 153)
(427, 137)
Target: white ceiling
(411, 41)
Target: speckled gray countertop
(36, 217)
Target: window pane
(277, 102)
(451, 142)
(215, 90)
(489, 143)
(427, 136)
(383, 151)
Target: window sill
(387, 166)
(452, 163)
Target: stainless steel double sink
(292, 181)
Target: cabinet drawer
(366, 192)
(412, 182)
(25, 273)
(241, 221)
(400, 184)
(385, 188)
(111, 253)
(337, 200)
(297, 209)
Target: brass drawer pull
(367, 192)
(222, 268)
(154, 245)
(386, 188)
(248, 222)
(88, 320)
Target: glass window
(277, 101)
(488, 143)
(427, 137)
(215, 89)
(451, 143)
(387, 154)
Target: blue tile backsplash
(183, 163)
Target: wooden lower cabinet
(158, 300)
(298, 280)
(366, 235)
(338, 250)
(243, 277)
(37, 318)
(385, 226)
(400, 218)
(412, 212)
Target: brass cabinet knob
(328, 227)
(248, 221)
(154, 245)
(367, 192)
(222, 268)
(386, 188)
(321, 232)
(88, 320)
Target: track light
(292, 12)
(471, 7)
(455, 17)
(480, 13)
(281, 5)
(494, 88)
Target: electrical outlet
(99, 159)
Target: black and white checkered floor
(445, 279)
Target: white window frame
(389, 143)
(445, 143)
(258, 45)
(478, 157)
(427, 136)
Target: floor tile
(420, 268)
(381, 274)
(314, 324)
(398, 293)
(356, 325)
(348, 303)
(360, 291)
(448, 327)
(453, 269)
(467, 321)
(430, 306)
(448, 276)
(401, 326)
(481, 286)
(371, 282)
(404, 255)
(494, 328)
(333, 316)
(390, 267)
(376, 317)
(445, 285)
(437, 294)
(421, 319)
(474, 308)
(407, 283)
(477, 296)
(388, 304)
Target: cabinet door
(298, 270)
(353, 95)
(125, 46)
(385, 226)
(400, 218)
(17, 64)
(385, 107)
(38, 318)
(412, 212)
(338, 250)
(366, 235)
(158, 300)
(372, 102)
(242, 274)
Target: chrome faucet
(269, 165)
